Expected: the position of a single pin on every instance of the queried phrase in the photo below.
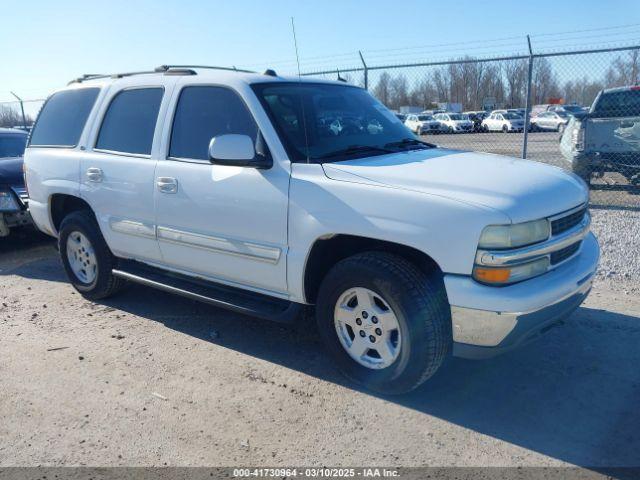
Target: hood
(522, 189)
(11, 171)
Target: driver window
(203, 113)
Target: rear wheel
(386, 323)
(86, 256)
(505, 129)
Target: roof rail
(93, 76)
(164, 68)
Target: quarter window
(62, 119)
(130, 121)
(203, 113)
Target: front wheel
(86, 256)
(505, 129)
(386, 323)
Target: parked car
(454, 122)
(503, 122)
(555, 121)
(570, 109)
(422, 124)
(13, 195)
(607, 138)
(477, 118)
(216, 185)
(401, 116)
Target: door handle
(94, 174)
(167, 184)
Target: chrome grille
(561, 255)
(567, 222)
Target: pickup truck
(607, 138)
(13, 194)
(232, 188)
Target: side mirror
(236, 150)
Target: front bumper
(488, 320)
(18, 216)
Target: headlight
(8, 202)
(513, 274)
(516, 235)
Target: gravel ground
(618, 233)
(150, 379)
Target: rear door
(225, 223)
(118, 168)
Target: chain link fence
(534, 106)
(539, 102)
(20, 113)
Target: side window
(203, 113)
(62, 119)
(130, 121)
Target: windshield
(12, 145)
(572, 108)
(457, 116)
(425, 118)
(511, 116)
(341, 121)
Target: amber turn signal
(492, 275)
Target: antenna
(304, 116)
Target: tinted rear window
(625, 103)
(12, 145)
(130, 122)
(62, 118)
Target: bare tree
(624, 70)
(399, 90)
(544, 85)
(382, 89)
(515, 74)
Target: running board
(223, 296)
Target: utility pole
(527, 110)
(24, 118)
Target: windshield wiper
(355, 149)
(409, 142)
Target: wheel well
(62, 205)
(325, 253)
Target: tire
(416, 300)
(505, 129)
(97, 282)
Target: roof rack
(93, 76)
(166, 69)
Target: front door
(224, 223)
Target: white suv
(232, 188)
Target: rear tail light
(577, 137)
